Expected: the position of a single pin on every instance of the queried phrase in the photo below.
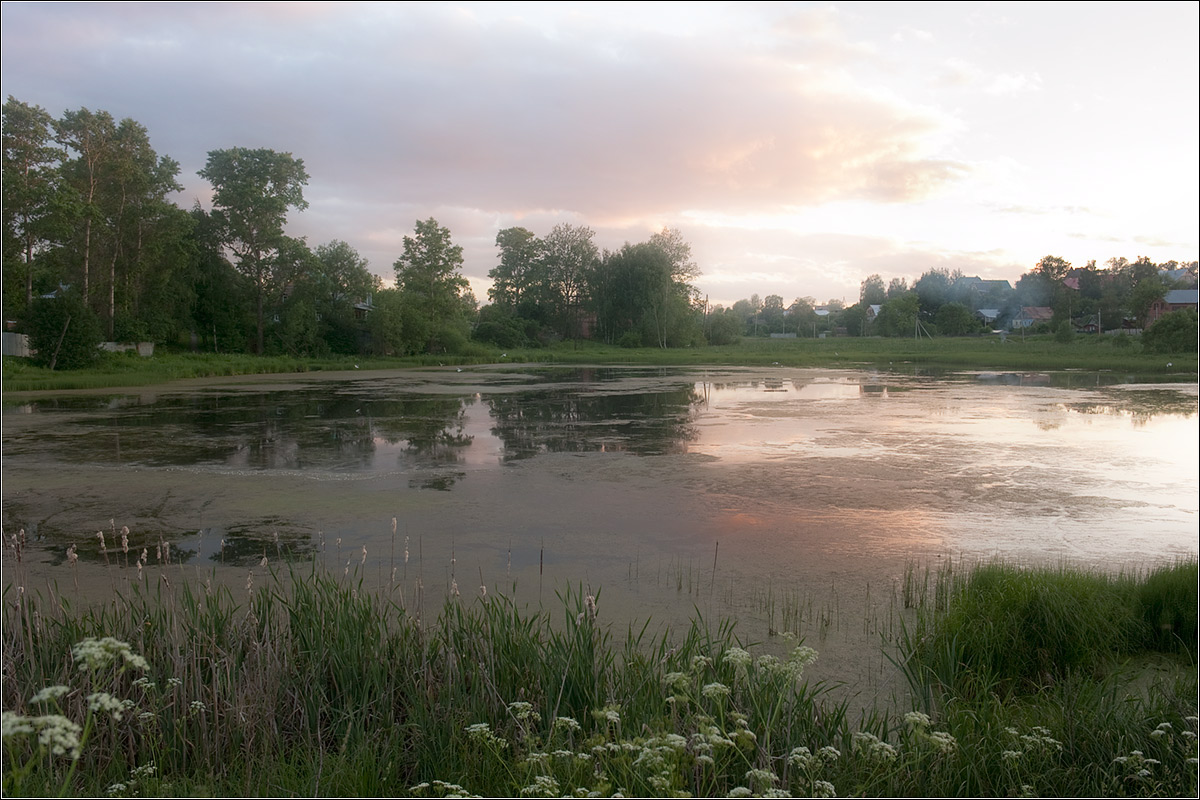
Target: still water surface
(783, 498)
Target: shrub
(1172, 333)
(65, 333)
(1064, 334)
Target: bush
(1064, 334)
(630, 339)
(65, 333)
(1172, 333)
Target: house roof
(1037, 312)
(1181, 297)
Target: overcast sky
(799, 147)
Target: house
(1174, 300)
(873, 311)
(365, 307)
(988, 315)
(1032, 315)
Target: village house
(1174, 300)
(1032, 315)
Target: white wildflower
(762, 777)
(737, 657)
(714, 691)
(700, 663)
(943, 741)
(49, 693)
(915, 719)
(740, 791)
(801, 758)
(542, 786)
(59, 734)
(1011, 755)
(803, 655)
(524, 711)
(566, 723)
(16, 725)
(105, 703)
(198, 707)
(117, 788)
(481, 733)
(872, 746)
(93, 654)
(823, 789)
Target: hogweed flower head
(916, 719)
(105, 703)
(49, 694)
(872, 746)
(568, 724)
(739, 658)
(94, 654)
(715, 691)
(54, 732)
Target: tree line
(94, 248)
(947, 302)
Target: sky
(798, 147)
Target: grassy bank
(1111, 354)
(307, 683)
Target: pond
(786, 499)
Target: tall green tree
(252, 192)
(571, 258)
(436, 295)
(90, 135)
(34, 199)
(521, 274)
(872, 291)
(641, 293)
(132, 206)
(340, 278)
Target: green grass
(1033, 353)
(309, 683)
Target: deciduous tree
(434, 291)
(252, 192)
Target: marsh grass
(309, 682)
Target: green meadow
(1117, 354)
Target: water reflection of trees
(1140, 406)
(647, 423)
(313, 429)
